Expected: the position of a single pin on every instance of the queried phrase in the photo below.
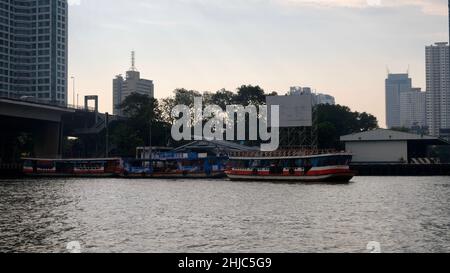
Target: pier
(10, 170)
(401, 169)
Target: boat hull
(215, 175)
(69, 175)
(292, 166)
(72, 168)
(327, 178)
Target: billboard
(295, 110)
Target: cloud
(432, 7)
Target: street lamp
(73, 92)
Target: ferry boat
(176, 165)
(100, 167)
(291, 166)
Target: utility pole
(107, 135)
(150, 116)
(150, 134)
(73, 91)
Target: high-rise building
(317, 98)
(133, 83)
(298, 90)
(325, 99)
(395, 85)
(438, 88)
(33, 49)
(413, 112)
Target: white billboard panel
(295, 110)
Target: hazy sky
(340, 47)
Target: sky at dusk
(339, 47)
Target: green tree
(166, 105)
(401, 129)
(185, 97)
(181, 96)
(223, 98)
(250, 95)
(335, 121)
(141, 112)
(125, 139)
(207, 98)
(141, 108)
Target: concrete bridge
(43, 122)
(46, 124)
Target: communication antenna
(387, 70)
(133, 60)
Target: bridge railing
(31, 99)
(79, 107)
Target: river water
(403, 214)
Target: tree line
(143, 111)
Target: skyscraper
(33, 49)
(395, 85)
(413, 109)
(438, 88)
(133, 83)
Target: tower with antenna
(132, 83)
(133, 61)
(133, 73)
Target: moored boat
(100, 167)
(176, 165)
(291, 166)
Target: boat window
(28, 164)
(240, 164)
(255, 163)
(137, 163)
(307, 162)
(290, 163)
(172, 165)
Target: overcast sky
(340, 47)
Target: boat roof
(72, 159)
(286, 157)
(387, 135)
(172, 159)
(286, 154)
(214, 144)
